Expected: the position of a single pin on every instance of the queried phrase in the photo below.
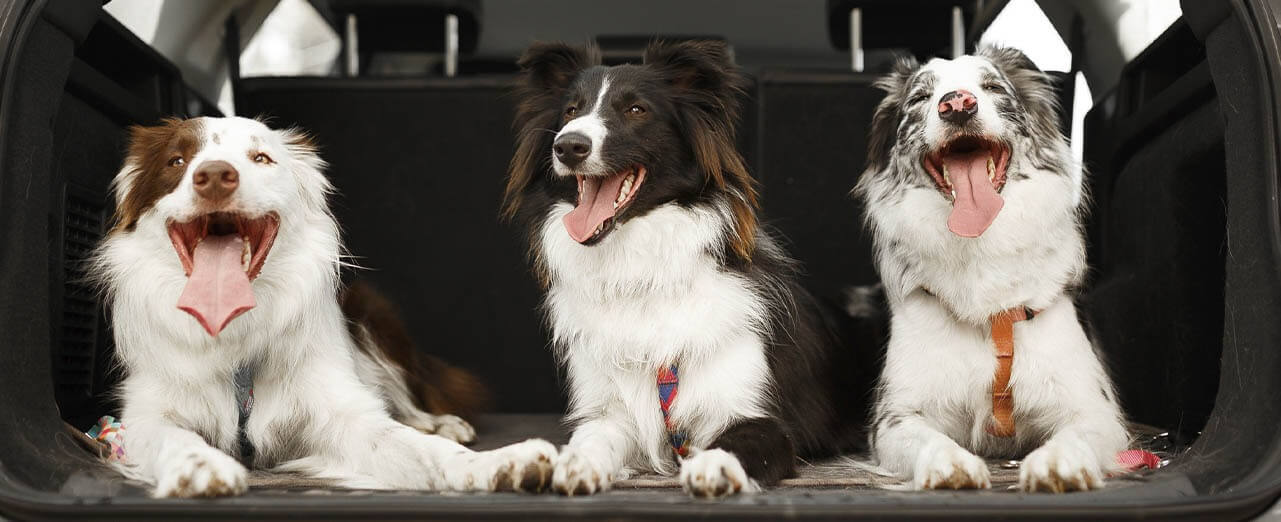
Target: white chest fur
(1027, 257)
(652, 293)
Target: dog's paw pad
(204, 472)
(527, 467)
(575, 474)
(951, 467)
(1059, 468)
(715, 473)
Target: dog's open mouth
(970, 171)
(221, 254)
(600, 200)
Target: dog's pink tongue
(218, 289)
(977, 203)
(595, 205)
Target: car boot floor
(831, 480)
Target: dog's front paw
(577, 474)
(448, 426)
(715, 473)
(524, 467)
(1060, 467)
(201, 472)
(950, 467)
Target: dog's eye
(571, 111)
(263, 158)
(177, 161)
(636, 110)
(994, 87)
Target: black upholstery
(924, 27)
(419, 166)
(405, 25)
(1156, 155)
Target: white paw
(448, 426)
(1060, 467)
(948, 466)
(201, 472)
(523, 466)
(576, 474)
(715, 473)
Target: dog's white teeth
(991, 169)
(246, 253)
(946, 177)
(623, 192)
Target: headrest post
(856, 39)
(958, 32)
(451, 45)
(350, 47)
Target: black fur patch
(762, 447)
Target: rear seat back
(420, 165)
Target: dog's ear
(1032, 87)
(704, 65)
(554, 65)
(708, 88)
(547, 71)
(147, 174)
(305, 160)
(881, 136)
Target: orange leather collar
(1002, 324)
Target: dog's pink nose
(958, 106)
(215, 180)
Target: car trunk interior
(1182, 296)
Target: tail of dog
(436, 386)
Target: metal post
(353, 59)
(856, 39)
(958, 32)
(451, 45)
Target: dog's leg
(313, 414)
(906, 444)
(161, 442)
(376, 370)
(595, 455)
(749, 454)
(1071, 400)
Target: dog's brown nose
(215, 180)
(958, 106)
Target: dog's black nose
(215, 180)
(958, 107)
(572, 148)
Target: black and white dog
(679, 320)
(225, 256)
(976, 205)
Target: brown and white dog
(224, 258)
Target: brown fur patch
(436, 386)
(720, 159)
(151, 175)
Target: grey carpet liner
(842, 473)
